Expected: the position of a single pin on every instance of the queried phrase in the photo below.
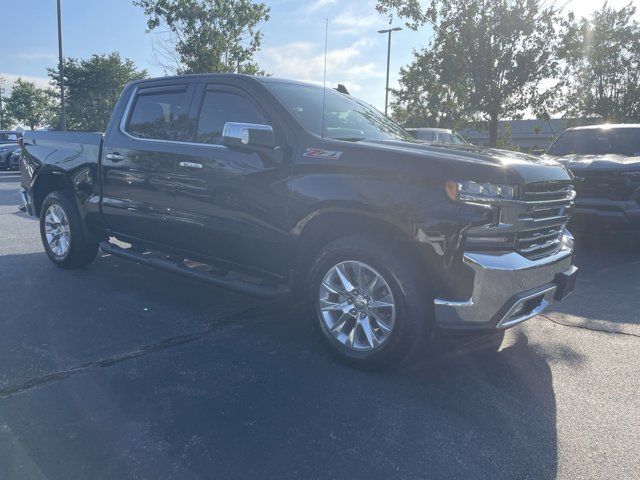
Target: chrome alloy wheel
(357, 306)
(57, 231)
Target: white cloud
(318, 5)
(35, 57)
(42, 82)
(305, 61)
(358, 19)
(587, 7)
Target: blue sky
(293, 45)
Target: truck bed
(55, 160)
(51, 148)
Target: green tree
(425, 99)
(92, 88)
(493, 54)
(209, 35)
(5, 119)
(602, 66)
(30, 105)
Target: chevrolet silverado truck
(274, 187)
(605, 160)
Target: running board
(264, 291)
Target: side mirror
(246, 135)
(537, 152)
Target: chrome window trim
(125, 117)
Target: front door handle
(115, 157)
(190, 164)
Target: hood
(611, 161)
(469, 160)
(468, 153)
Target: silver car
(6, 150)
(437, 135)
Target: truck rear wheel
(62, 234)
(368, 301)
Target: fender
(48, 178)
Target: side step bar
(264, 291)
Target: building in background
(523, 135)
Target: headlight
(469, 191)
(2, 150)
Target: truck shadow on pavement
(606, 296)
(97, 378)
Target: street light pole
(386, 90)
(63, 113)
(2, 80)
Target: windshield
(8, 137)
(622, 141)
(345, 118)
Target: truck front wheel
(369, 301)
(62, 234)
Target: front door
(231, 201)
(139, 163)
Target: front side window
(220, 107)
(160, 116)
(345, 118)
(445, 138)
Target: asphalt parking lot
(118, 371)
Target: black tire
(411, 294)
(81, 252)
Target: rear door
(232, 200)
(139, 162)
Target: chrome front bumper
(507, 289)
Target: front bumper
(601, 215)
(507, 289)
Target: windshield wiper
(349, 139)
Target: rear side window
(160, 115)
(220, 107)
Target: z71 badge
(319, 153)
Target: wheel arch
(47, 182)
(320, 228)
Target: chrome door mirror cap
(248, 135)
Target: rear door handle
(190, 165)
(115, 157)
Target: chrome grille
(547, 213)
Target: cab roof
(607, 126)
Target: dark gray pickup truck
(274, 187)
(605, 160)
